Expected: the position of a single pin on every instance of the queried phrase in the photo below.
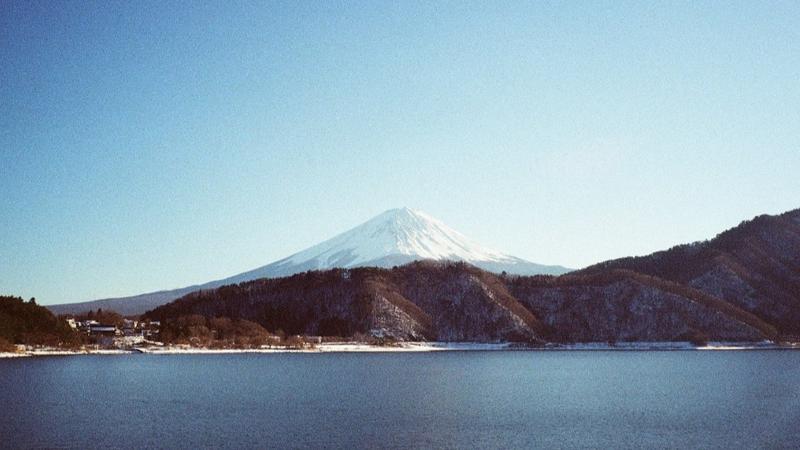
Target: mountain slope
(754, 266)
(457, 302)
(620, 305)
(395, 237)
(421, 301)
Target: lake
(475, 399)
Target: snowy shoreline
(355, 347)
(61, 352)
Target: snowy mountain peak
(395, 237)
(396, 234)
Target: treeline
(309, 303)
(221, 332)
(25, 322)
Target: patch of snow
(355, 347)
(740, 345)
(59, 352)
(167, 350)
(410, 347)
(334, 347)
(643, 346)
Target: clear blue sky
(155, 145)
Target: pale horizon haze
(156, 145)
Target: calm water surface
(443, 400)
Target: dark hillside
(24, 322)
(621, 305)
(459, 302)
(420, 301)
(754, 266)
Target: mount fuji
(395, 237)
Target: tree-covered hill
(448, 301)
(25, 322)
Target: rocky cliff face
(754, 266)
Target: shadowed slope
(459, 302)
(754, 266)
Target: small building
(100, 329)
(130, 327)
(104, 334)
(313, 339)
(86, 325)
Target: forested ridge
(25, 322)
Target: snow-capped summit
(394, 237)
(401, 231)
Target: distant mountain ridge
(395, 237)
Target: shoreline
(407, 347)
